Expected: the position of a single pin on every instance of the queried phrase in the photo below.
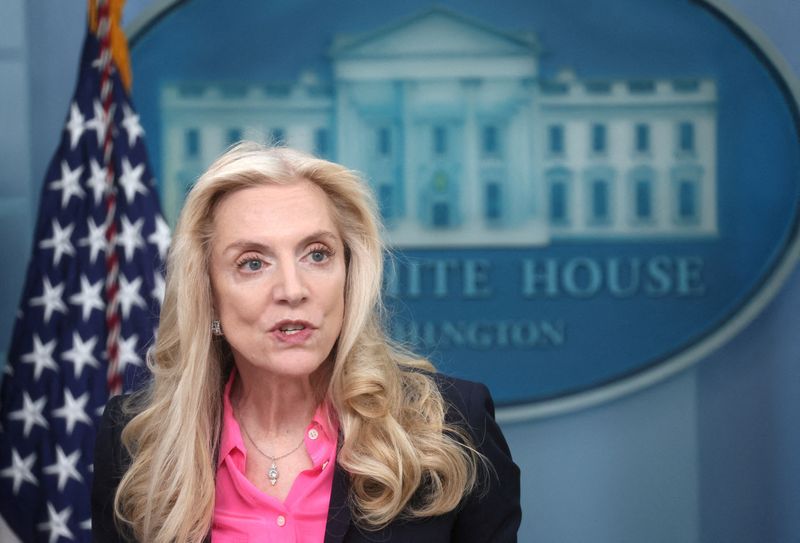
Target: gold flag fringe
(119, 43)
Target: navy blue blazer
(490, 514)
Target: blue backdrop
(712, 454)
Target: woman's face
(278, 277)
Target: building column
(410, 181)
(471, 193)
(346, 151)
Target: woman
(278, 409)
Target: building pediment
(431, 33)
(435, 37)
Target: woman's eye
(251, 264)
(320, 255)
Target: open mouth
(290, 329)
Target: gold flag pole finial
(119, 44)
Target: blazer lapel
(339, 510)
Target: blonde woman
(278, 409)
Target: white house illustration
(466, 145)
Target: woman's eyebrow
(252, 245)
(325, 235)
(247, 245)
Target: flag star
(75, 125)
(89, 296)
(30, 413)
(131, 125)
(98, 64)
(159, 288)
(99, 122)
(97, 181)
(60, 242)
(65, 467)
(41, 357)
(96, 239)
(73, 410)
(131, 179)
(57, 523)
(20, 470)
(81, 354)
(160, 236)
(68, 184)
(128, 354)
(131, 236)
(129, 295)
(50, 299)
(86, 524)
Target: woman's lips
(292, 332)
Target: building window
(441, 214)
(321, 142)
(686, 85)
(233, 136)
(686, 194)
(384, 137)
(687, 200)
(555, 139)
(441, 182)
(489, 140)
(599, 143)
(385, 199)
(641, 195)
(686, 143)
(277, 136)
(642, 138)
(643, 199)
(233, 91)
(600, 201)
(191, 143)
(191, 90)
(559, 211)
(558, 181)
(598, 87)
(439, 140)
(642, 87)
(494, 202)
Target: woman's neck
(276, 407)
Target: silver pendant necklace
(272, 472)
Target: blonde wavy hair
(395, 442)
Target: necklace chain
(272, 473)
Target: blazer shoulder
(492, 512)
(111, 460)
(116, 412)
(465, 399)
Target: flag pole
(112, 260)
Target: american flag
(56, 380)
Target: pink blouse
(243, 513)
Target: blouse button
(313, 434)
(281, 520)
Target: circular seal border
(671, 365)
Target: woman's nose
(291, 287)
